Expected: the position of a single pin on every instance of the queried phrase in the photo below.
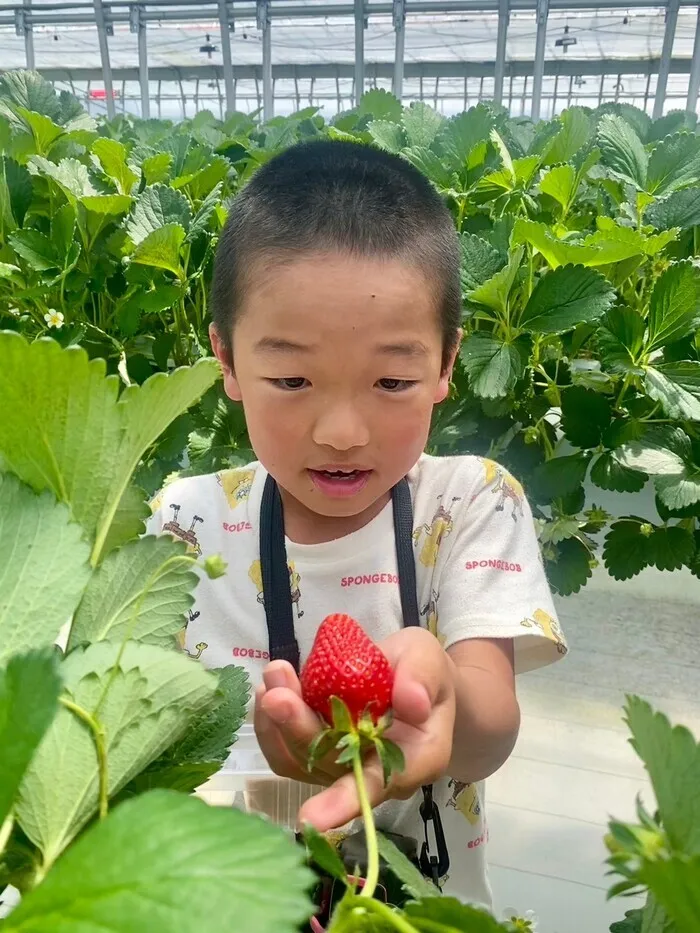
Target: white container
(247, 782)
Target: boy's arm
(487, 715)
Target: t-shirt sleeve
(492, 583)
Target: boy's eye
(290, 384)
(395, 385)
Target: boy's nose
(342, 428)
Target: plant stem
(100, 739)
(6, 831)
(370, 828)
(343, 920)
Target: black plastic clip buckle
(433, 866)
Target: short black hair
(342, 196)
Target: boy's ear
(443, 386)
(225, 358)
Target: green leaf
(608, 473)
(675, 883)
(560, 183)
(460, 135)
(559, 477)
(618, 243)
(387, 135)
(574, 134)
(167, 863)
(672, 758)
(156, 168)
(64, 429)
(44, 568)
(392, 758)
(557, 252)
(161, 249)
(565, 297)
(493, 367)
(621, 339)
(666, 454)
(112, 157)
(639, 120)
(323, 854)
(448, 915)
(63, 230)
(201, 183)
(19, 189)
(631, 924)
(585, 416)
(70, 175)
(381, 105)
(141, 592)
(677, 387)
(480, 261)
(35, 248)
(342, 720)
(428, 162)
(628, 549)
(145, 700)
(200, 223)
(107, 205)
(155, 208)
(414, 883)
(44, 131)
(185, 778)
(674, 164)
(680, 209)
(622, 150)
(421, 124)
(30, 90)
(211, 736)
(674, 310)
(495, 291)
(29, 688)
(673, 547)
(571, 569)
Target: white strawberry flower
(54, 318)
(523, 923)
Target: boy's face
(338, 363)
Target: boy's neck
(302, 526)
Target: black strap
(277, 599)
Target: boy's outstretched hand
(423, 704)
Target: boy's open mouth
(340, 482)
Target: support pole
(263, 10)
(225, 29)
(501, 39)
(400, 29)
(104, 55)
(359, 50)
(23, 27)
(694, 77)
(538, 68)
(137, 24)
(665, 62)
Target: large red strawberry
(345, 662)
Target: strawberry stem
(370, 828)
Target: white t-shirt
(479, 575)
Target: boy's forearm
(486, 724)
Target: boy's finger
(340, 803)
(297, 724)
(281, 674)
(271, 742)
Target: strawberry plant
(580, 367)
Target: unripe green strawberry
(345, 662)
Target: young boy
(336, 310)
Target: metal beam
(666, 52)
(400, 29)
(23, 27)
(694, 79)
(501, 39)
(225, 28)
(359, 12)
(538, 67)
(263, 18)
(101, 24)
(138, 25)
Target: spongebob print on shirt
(547, 626)
(432, 535)
(236, 485)
(255, 574)
(505, 486)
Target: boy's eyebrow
(411, 348)
(280, 345)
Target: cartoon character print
(505, 486)
(236, 485)
(156, 501)
(465, 798)
(187, 535)
(255, 574)
(433, 534)
(430, 612)
(200, 648)
(549, 627)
